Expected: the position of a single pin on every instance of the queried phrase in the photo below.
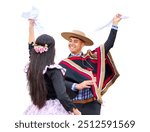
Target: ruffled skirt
(51, 107)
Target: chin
(72, 52)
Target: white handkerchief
(124, 17)
(33, 14)
(109, 23)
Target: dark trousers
(92, 108)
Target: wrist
(77, 86)
(74, 109)
(114, 27)
(74, 88)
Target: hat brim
(67, 35)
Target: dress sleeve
(72, 94)
(30, 47)
(60, 89)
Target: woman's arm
(31, 38)
(60, 89)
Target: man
(89, 75)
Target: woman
(45, 79)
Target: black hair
(38, 61)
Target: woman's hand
(76, 111)
(31, 23)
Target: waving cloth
(33, 14)
(94, 65)
(109, 23)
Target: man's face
(75, 45)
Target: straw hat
(77, 34)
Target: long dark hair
(38, 61)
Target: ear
(83, 44)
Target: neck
(79, 54)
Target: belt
(84, 101)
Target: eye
(76, 41)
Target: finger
(118, 15)
(87, 86)
(90, 83)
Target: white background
(127, 99)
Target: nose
(71, 43)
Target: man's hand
(84, 84)
(116, 19)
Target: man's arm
(112, 36)
(111, 39)
(70, 89)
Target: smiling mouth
(72, 47)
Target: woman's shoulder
(54, 67)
